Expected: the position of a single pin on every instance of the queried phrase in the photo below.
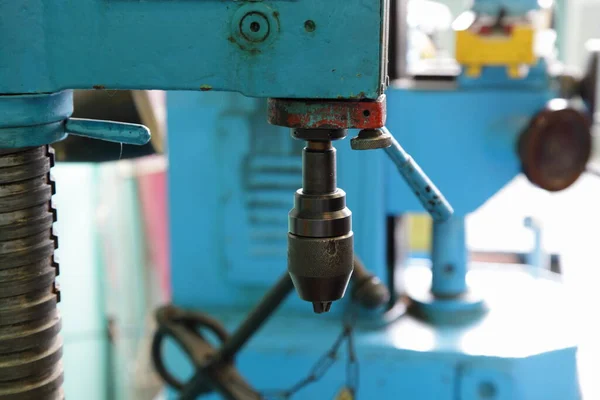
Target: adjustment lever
(215, 368)
(211, 372)
(428, 194)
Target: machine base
(458, 310)
(523, 348)
(441, 311)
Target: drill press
(473, 331)
(104, 45)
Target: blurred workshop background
(113, 224)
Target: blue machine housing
(240, 188)
(232, 179)
(195, 45)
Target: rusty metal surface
(30, 349)
(328, 114)
(556, 147)
(371, 139)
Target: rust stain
(99, 87)
(359, 96)
(205, 88)
(238, 44)
(328, 114)
(276, 16)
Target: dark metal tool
(215, 368)
(320, 239)
(368, 291)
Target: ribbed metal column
(30, 349)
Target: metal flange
(328, 114)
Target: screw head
(255, 27)
(310, 25)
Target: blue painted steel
(536, 258)
(419, 361)
(449, 258)
(28, 136)
(225, 259)
(228, 245)
(493, 78)
(35, 120)
(30, 110)
(231, 181)
(464, 138)
(427, 193)
(108, 130)
(472, 155)
(513, 7)
(194, 45)
(448, 300)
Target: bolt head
(255, 27)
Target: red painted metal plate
(327, 114)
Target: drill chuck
(320, 239)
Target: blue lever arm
(107, 130)
(428, 194)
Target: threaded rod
(30, 348)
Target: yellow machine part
(475, 51)
(419, 230)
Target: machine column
(449, 258)
(30, 346)
(448, 300)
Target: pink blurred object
(152, 182)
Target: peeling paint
(328, 114)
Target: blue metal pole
(449, 258)
(110, 131)
(536, 258)
(428, 194)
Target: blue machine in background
(323, 67)
(274, 49)
(500, 334)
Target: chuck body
(320, 238)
